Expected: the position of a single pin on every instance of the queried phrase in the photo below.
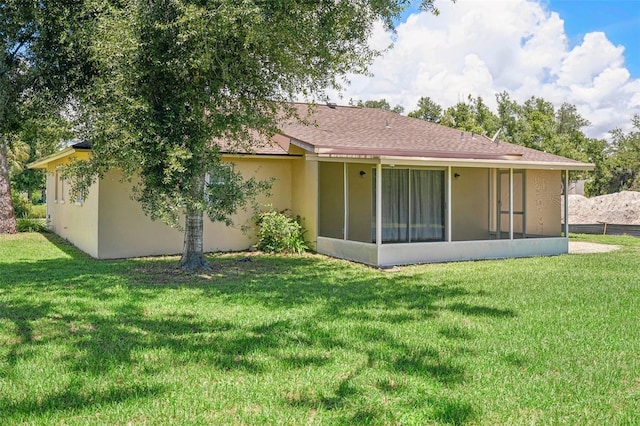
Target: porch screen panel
(395, 204)
(427, 205)
(331, 200)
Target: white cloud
(481, 48)
(588, 60)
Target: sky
(584, 52)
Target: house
(371, 186)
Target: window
(56, 179)
(61, 188)
(217, 183)
(80, 200)
(412, 205)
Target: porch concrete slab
(583, 247)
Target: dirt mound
(621, 208)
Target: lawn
(312, 340)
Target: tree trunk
(7, 214)
(192, 254)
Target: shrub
(31, 225)
(37, 211)
(278, 233)
(23, 208)
(20, 205)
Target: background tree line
(537, 124)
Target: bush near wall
(29, 217)
(21, 205)
(279, 233)
(37, 211)
(24, 208)
(31, 225)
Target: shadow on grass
(74, 398)
(454, 412)
(62, 245)
(482, 311)
(21, 313)
(102, 307)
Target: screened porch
(386, 214)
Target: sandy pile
(621, 208)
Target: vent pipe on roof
(387, 124)
(461, 135)
(495, 137)
(332, 105)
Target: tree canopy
(178, 81)
(427, 110)
(41, 62)
(472, 116)
(619, 162)
(382, 104)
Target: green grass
(311, 340)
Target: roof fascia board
(455, 162)
(416, 154)
(363, 159)
(270, 156)
(304, 145)
(42, 163)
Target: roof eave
(460, 162)
(261, 155)
(42, 163)
(301, 144)
(496, 163)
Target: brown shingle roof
(365, 131)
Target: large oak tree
(180, 80)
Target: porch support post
(511, 204)
(345, 227)
(378, 204)
(448, 224)
(566, 203)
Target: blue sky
(582, 52)
(618, 19)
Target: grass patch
(311, 340)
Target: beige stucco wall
(74, 220)
(360, 191)
(470, 204)
(543, 202)
(109, 224)
(125, 231)
(304, 195)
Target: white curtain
(427, 205)
(395, 204)
(412, 205)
